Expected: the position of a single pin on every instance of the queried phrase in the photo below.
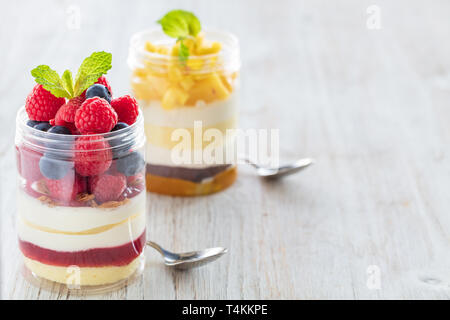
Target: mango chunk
(214, 48)
(150, 47)
(175, 75)
(208, 90)
(173, 98)
(187, 83)
(150, 88)
(226, 82)
(194, 64)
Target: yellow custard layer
(86, 276)
(179, 187)
(168, 137)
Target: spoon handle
(247, 160)
(156, 246)
(167, 255)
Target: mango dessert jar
(185, 103)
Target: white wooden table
(372, 106)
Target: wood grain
(370, 105)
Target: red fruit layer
(28, 163)
(129, 193)
(107, 187)
(93, 155)
(99, 257)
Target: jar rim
(136, 37)
(229, 55)
(38, 139)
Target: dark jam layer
(99, 257)
(190, 174)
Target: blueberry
(116, 141)
(53, 168)
(98, 90)
(62, 141)
(119, 125)
(130, 164)
(59, 130)
(44, 126)
(32, 123)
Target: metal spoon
(187, 260)
(275, 173)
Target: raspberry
(67, 112)
(95, 116)
(127, 109)
(67, 188)
(108, 187)
(137, 179)
(41, 105)
(93, 155)
(28, 163)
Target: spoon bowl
(282, 171)
(188, 260)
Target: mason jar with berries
(81, 187)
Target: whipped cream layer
(117, 235)
(184, 117)
(73, 229)
(76, 219)
(157, 155)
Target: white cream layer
(76, 219)
(116, 236)
(162, 156)
(184, 117)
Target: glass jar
(81, 204)
(189, 108)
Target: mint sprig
(180, 24)
(50, 80)
(183, 53)
(68, 82)
(92, 68)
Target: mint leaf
(67, 82)
(180, 24)
(92, 68)
(183, 53)
(50, 80)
